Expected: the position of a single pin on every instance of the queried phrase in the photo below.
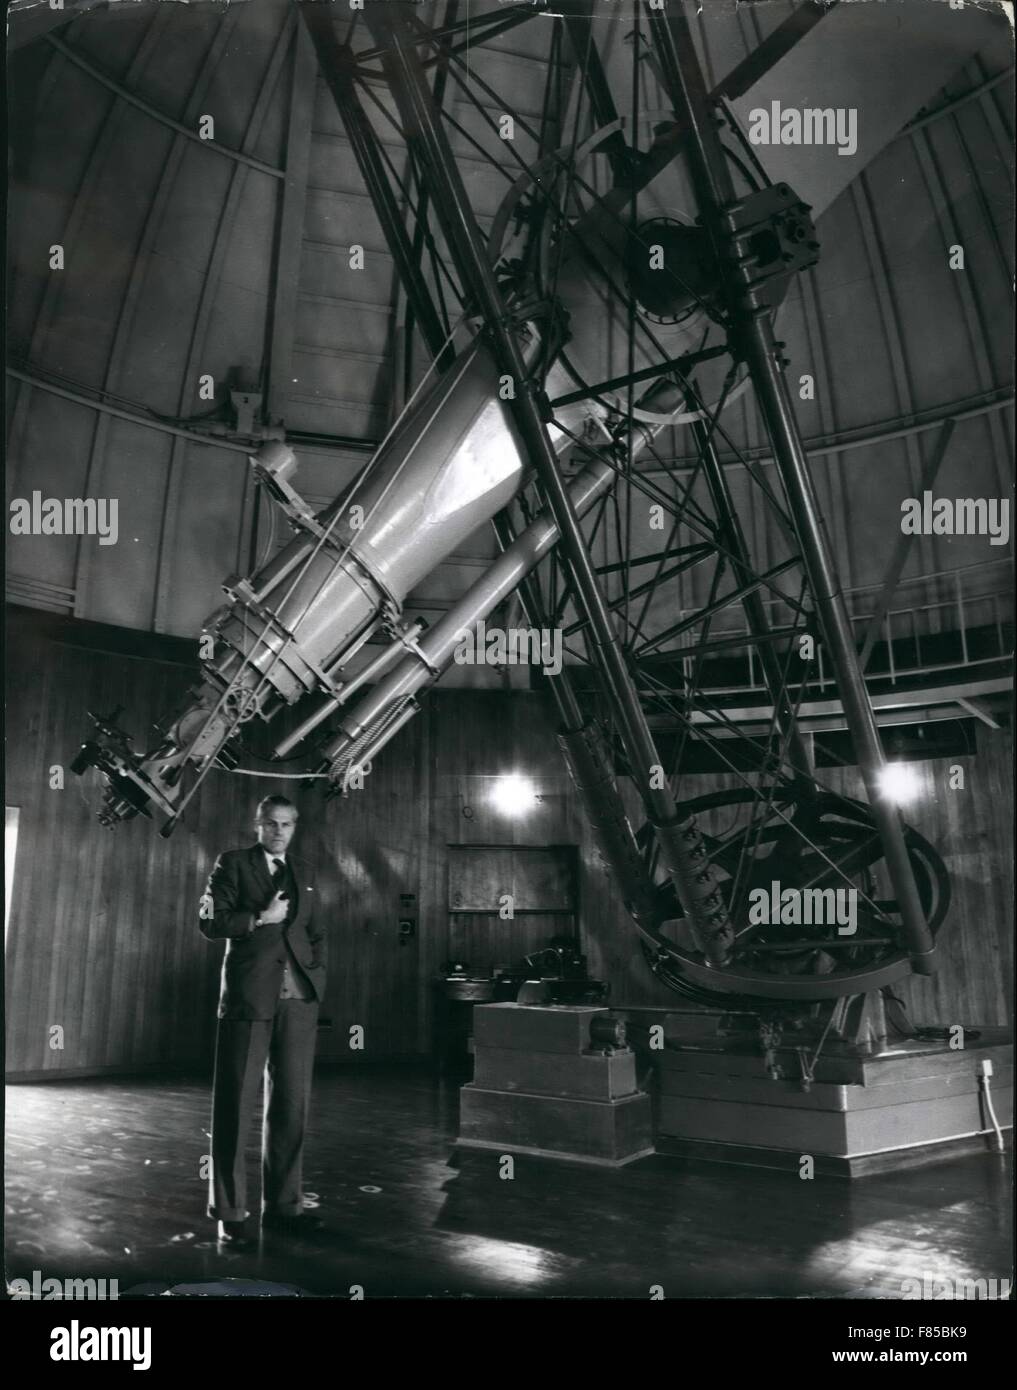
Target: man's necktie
(294, 983)
(280, 884)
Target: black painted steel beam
(697, 554)
(773, 48)
(733, 538)
(337, 67)
(423, 202)
(669, 143)
(754, 342)
(700, 549)
(616, 383)
(752, 584)
(478, 29)
(579, 26)
(717, 644)
(682, 846)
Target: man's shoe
(302, 1226)
(234, 1234)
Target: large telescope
(545, 292)
(452, 462)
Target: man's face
(275, 827)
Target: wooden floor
(103, 1182)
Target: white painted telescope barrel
(437, 645)
(452, 462)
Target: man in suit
(273, 979)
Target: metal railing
(969, 608)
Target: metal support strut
(337, 67)
(753, 341)
(755, 610)
(682, 848)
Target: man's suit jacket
(239, 888)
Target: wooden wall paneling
(486, 941)
(96, 915)
(610, 941)
(395, 872)
(38, 825)
(971, 828)
(430, 912)
(103, 934)
(28, 695)
(368, 847)
(84, 932)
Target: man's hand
(275, 912)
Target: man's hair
(266, 803)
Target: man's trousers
(283, 1049)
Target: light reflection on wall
(513, 795)
(899, 783)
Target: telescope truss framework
(743, 240)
